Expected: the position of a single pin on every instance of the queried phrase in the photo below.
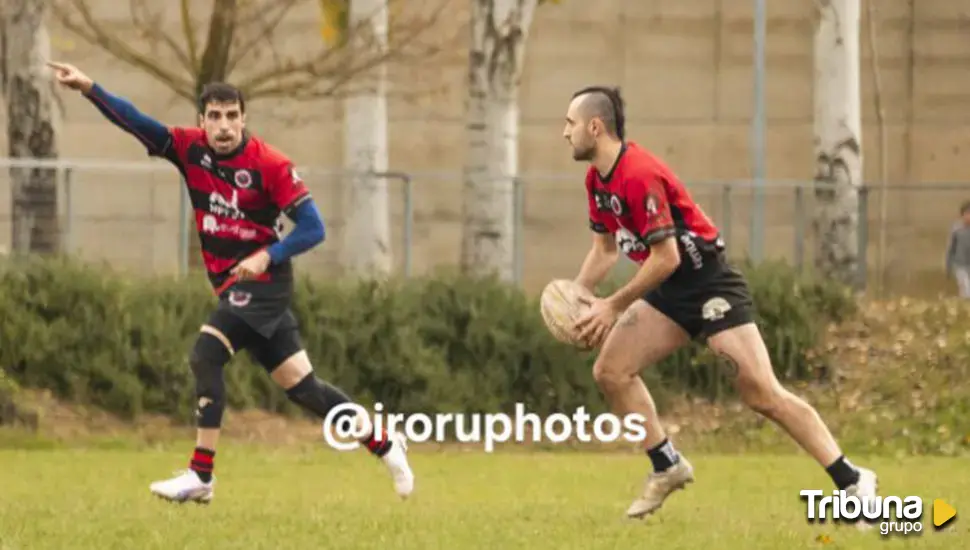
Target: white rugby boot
(866, 487)
(396, 461)
(185, 486)
(659, 486)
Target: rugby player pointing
(684, 289)
(239, 187)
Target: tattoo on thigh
(628, 319)
(728, 363)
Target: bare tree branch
(150, 23)
(327, 72)
(267, 22)
(250, 42)
(96, 34)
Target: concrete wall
(685, 68)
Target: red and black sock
(202, 463)
(378, 445)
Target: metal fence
(135, 216)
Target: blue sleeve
(153, 134)
(307, 233)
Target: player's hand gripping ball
(562, 303)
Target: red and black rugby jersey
(237, 198)
(642, 202)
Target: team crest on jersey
(239, 298)
(650, 205)
(616, 205)
(243, 178)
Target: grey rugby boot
(659, 486)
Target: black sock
(843, 473)
(320, 397)
(316, 396)
(202, 463)
(663, 456)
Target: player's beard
(584, 153)
(225, 143)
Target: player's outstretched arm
(153, 134)
(307, 232)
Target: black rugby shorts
(706, 295)
(256, 317)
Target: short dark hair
(606, 104)
(220, 92)
(965, 207)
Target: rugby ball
(561, 307)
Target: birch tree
(838, 140)
(32, 123)
(367, 236)
(499, 32)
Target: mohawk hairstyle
(605, 104)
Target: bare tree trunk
(215, 59)
(838, 140)
(500, 29)
(31, 125)
(212, 67)
(367, 236)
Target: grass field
(97, 498)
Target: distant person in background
(958, 251)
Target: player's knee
(609, 375)
(762, 396)
(208, 357)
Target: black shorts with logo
(706, 295)
(256, 316)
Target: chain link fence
(136, 217)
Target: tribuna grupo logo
(893, 514)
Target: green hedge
(444, 344)
(12, 413)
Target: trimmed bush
(12, 413)
(444, 344)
